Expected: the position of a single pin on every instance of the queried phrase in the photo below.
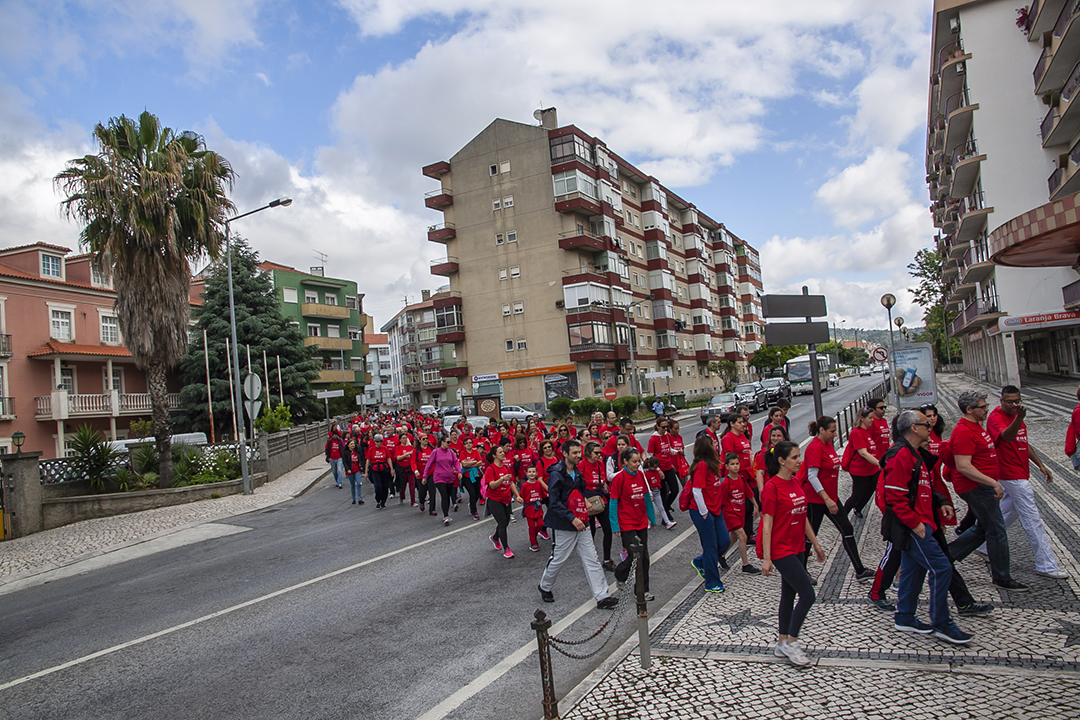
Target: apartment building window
(502, 273)
(508, 201)
(496, 204)
(352, 302)
(493, 170)
(329, 299)
(648, 341)
(333, 331)
(99, 276)
(573, 181)
(510, 345)
(519, 307)
(499, 239)
(288, 294)
(515, 271)
(449, 316)
(511, 236)
(354, 332)
(61, 325)
(641, 340)
(567, 146)
(506, 309)
(51, 266)
(110, 330)
(425, 335)
(67, 379)
(310, 296)
(521, 344)
(678, 369)
(313, 330)
(504, 167)
(589, 334)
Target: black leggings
(669, 490)
(815, 512)
(862, 489)
(425, 492)
(473, 488)
(501, 513)
(623, 570)
(794, 580)
(381, 480)
(444, 496)
(605, 524)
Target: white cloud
(870, 190)
(264, 79)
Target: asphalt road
(319, 609)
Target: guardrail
(847, 418)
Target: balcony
(1041, 17)
(1070, 295)
(433, 383)
(960, 294)
(976, 314)
(5, 346)
(446, 299)
(450, 334)
(577, 203)
(335, 376)
(1066, 179)
(436, 170)
(439, 199)
(953, 69)
(1057, 60)
(966, 162)
(670, 354)
(69, 405)
(329, 343)
(7, 408)
(455, 370)
(959, 111)
(976, 264)
(441, 233)
(329, 312)
(444, 266)
(589, 352)
(972, 214)
(574, 239)
(1062, 122)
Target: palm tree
(151, 202)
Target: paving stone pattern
(1024, 662)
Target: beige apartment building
(569, 269)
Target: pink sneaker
(543, 534)
(508, 553)
(495, 542)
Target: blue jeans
(335, 467)
(356, 485)
(924, 556)
(714, 540)
(990, 528)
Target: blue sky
(799, 125)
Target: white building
(379, 392)
(1002, 162)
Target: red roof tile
(58, 348)
(8, 271)
(37, 244)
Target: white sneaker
(778, 650)
(795, 653)
(1055, 574)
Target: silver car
(721, 404)
(515, 412)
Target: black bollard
(642, 606)
(543, 646)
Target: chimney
(425, 295)
(317, 271)
(549, 118)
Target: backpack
(686, 496)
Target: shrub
(140, 428)
(220, 462)
(560, 407)
(625, 406)
(272, 421)
(95, 459)
(144, 459)
(584, 407)
(186, 463)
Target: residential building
(330, 315)
(62, 359)
(1002, 193)
(379, 392)
(423, 365)
(563, 257)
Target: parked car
(515, 412)
(776, 388)
(448, 421)
(753, 395)
(479, 422)
(449, 410)
(721, 404)
(429, 410)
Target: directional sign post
(252, 386)
(325, 396)
(253, 407)
(810, 333)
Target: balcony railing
(970, 203)
(7, 407)
(1067, 13)
(1054, 181)
(101, 404)
(975, 308)
(1070, 294)
(1048, 121)
(1041, 65)
(5, 346)
(950, 51)
(956, 101)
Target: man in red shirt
(910, 521)
(976, 480)
(880, 429)
(1006, 427)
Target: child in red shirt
(655, 478)
(533, 491)
(734, 492)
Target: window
(117, 379)
(508, 201)
(519, 307)
(67, 379)
(573, 181)
(511, 236)
(496, 204)
(354, 332)
(99, 276)
(565, 147)
(110, 330)
(515, 271)
(678, 369)
(506, 309)
(61, 325)
(504, 166)
(447, 317)
(51, 266)
(351, 302)
(510, 345)
(310, 296)
(313, 330)
(502, 273)
(432, 377)
(288, 294)
(329, 299)
(641, 340)
(648, 341)
(333, 331)
(521, 345)
(384, 366)
(499, 239)
(493, 170)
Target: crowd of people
(568, 481)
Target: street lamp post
(888, 300)
(633, 336)
(242, 434)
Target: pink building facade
(62, 359)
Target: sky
(799, 125)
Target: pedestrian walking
(861, 462)
(471, 470)
(500, 490)
(706, 512)
(593, 469)
(735, 494)
(1072, 434)
(662, 448)
(352, 463)
(630, 514)
(533, 491)
(735, 439)
(444, 468)
(378, 457)
(334, 445)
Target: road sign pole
(815, 379)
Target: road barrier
(848, 417)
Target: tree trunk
(162, 427)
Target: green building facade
(330, 314)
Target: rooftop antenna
(322, 257)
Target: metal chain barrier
(613, 621)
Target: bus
(798, 374)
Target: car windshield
(724, 399)
(771, 382)
(745, 388)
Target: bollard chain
(613, 621)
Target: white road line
(515, 658)
(232, 609)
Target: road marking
(515, 658)
(229, 610)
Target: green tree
(151, 202)
(725, 369)
(260, 325)
(930, 294)
(767, 358)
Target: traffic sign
(329, 394)
(793, 306)
(804, 333)
(252, 386)
(252, 407)
(610, 394)
(880, 354)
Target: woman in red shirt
(776, 436)
(591, 467)
(781, 542)
(471, 470)
(378, 460)
(499, 480)
(820, 475)
(547, 459)
(863, 463)
(524, 458)
(630, 514)
(425, 485)
(662, 448)
(706, 512)
(403, 470)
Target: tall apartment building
(379, 392)
(1003, 167)
(423, 365)
(562, 257)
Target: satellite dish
(539, 115)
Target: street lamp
(888, 300)
(242, 439)
(633, 335)
(18, 438)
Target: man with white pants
(566, 517)
(1006, 426)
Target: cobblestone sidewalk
(28, 556)
(712, 655)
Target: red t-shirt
(377, 454)
(391, 441)
(733, 499)
(786, 502)
(1014, 462)
(543, 465)
(710, 488)
(592, 472)
(613, 429)
(660, 446)
(472, 455)
(864, 440)
(897, 478)
(825, 459)
(767, 430)
(532, 495)
(502, 493)
(612, 445)
(524, 459)
(882, 437)
(422, 455)
(403, 455)
(969, 438)
(575, 503)
(630, 490)
(740, 445)
(654, 478)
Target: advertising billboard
(915, 379)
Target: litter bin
(679, 400)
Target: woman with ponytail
(706, 512)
